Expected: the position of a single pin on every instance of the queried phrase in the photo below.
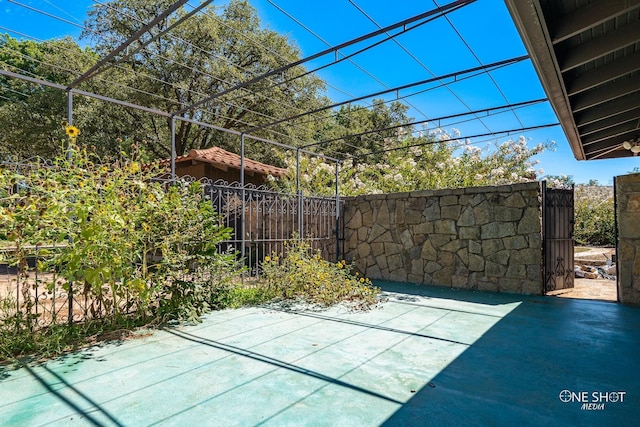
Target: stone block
(532, 287)
(499, 257)
(483, 213)
(443, 276)
(509, 285)
(497, 230)
(355, 222)
(391, 248)
(412, 217)
(469, 233)
(364, 250)
(487, 285)
(504, 214)
(459, 282)
(475, 247)
(374, 272)
(428, 252)
(432, 210)
(628, 225)
(382, 215)
(491, 246)
(452, 246)
(633, 202)
(376, 231)
(381, 261)
(445, 226)
(531, 221)
(417, 203)
(517, 271)
(446, 259)
(438, 240)
(398, 276)
(534, 272)
(363, 234)
(386, 237)
(515, 200)
(526, 256)
(451, 212)
(476, 262)
(407, 239)
(395, 262)
(493, 269)
(463, 254)
(432, 267)
(449, 200)
(424, 228)
(417, 267)
(414, 278)
(515, 242)
(467, 218)
(377, 249)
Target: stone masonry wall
(486, 238)
(628, 214)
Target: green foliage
(594, 216)
(416, 163)
(132, 247)
(302, 274)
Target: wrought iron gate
(557, 244)
(268, 218)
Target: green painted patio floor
(428, 356)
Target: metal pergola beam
(396, 89)
(440, 10)
(479, 135)
(435, 119)
(93, 70)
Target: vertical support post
(337, 214)
(615, 236)
(173, 148)
(244, 201)
(69, 156)
(543, 189)
(299, 194)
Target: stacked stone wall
(485, 238)
(628, 214)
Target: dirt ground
(595, 289)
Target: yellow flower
(72, 131)
(135, 167)
(267, 259)
(362, 280)
(146, 227)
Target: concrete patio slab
(428, 356)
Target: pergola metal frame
(403, 26)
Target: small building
(215, 163)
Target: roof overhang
(587, 56)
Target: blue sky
(483, 33)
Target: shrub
(594, 216)
(302, 274)
(133, 249)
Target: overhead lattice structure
(389, 43)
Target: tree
(30, 114)
(205, 55)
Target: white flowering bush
(432, 161)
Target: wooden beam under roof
(589, 16)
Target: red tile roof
(225, 159)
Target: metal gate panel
(558, 243)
